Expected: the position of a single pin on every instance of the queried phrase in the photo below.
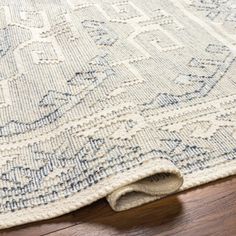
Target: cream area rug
(130, 100)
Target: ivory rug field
(127, 99)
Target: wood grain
(206, 210)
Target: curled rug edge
(163, 182)
(144, 183)
(111, 189)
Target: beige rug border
(110, 184)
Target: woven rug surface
(130, 100)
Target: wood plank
(206, 210)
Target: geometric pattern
(130, 100)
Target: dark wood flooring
(207, 210)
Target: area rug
(130, 100)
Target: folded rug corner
(130, 100)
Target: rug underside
(130, 100)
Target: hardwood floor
(206, 210)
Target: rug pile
(130, 100)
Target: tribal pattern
(101, 98)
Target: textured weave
(127, 99)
